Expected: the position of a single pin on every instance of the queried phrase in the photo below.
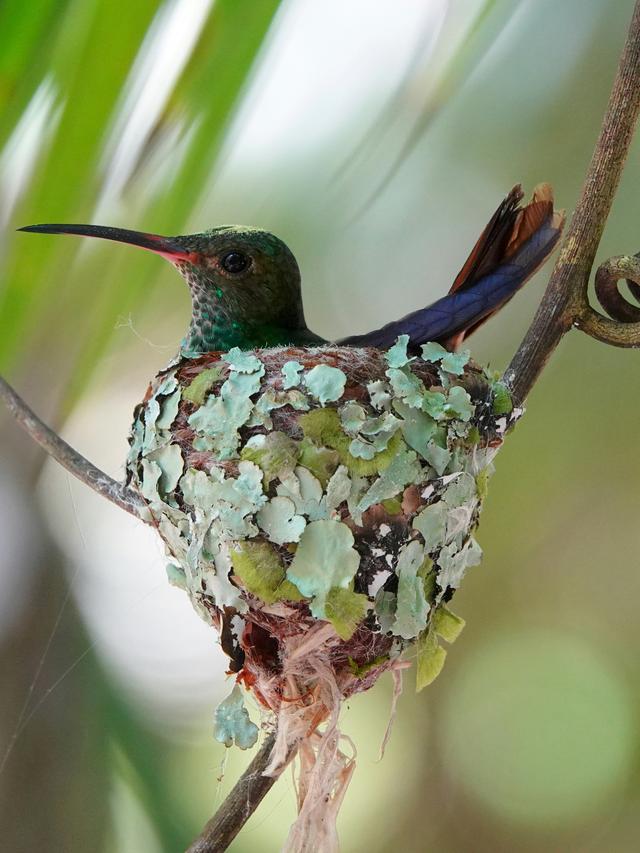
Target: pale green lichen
(455, 362)
(305, 491)
(279, 521)
(324, 558)
(396, 356)
(275, 454)
(403, 469)
(325, 383)
(169, 460)
(406, 386)
(433, 352)
(243, 362)
(412, 607)
(431, 522)
(379, 394)
(168, 410)
(232, 723)
(459, 403)
(221, 417)
(352, 417)
(291, 371)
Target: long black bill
(169, 247)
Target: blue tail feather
(465, 308)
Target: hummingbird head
(244, 282)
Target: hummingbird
(245, 283)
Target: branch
(565, 302)
(245, 797)
(69, 458)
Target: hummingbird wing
(515, 243)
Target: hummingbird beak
(168, 247)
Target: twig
(245, 797)
(565, 302)
(69, 458)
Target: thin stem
(565, 302)
(69, 458)
(245, 797)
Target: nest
(318, 507)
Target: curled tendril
(609, 296)
(622, 327)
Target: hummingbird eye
(235, 262)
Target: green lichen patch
(305, 491)
(220, 418)
(345, 610)
(196, 392)
(323, 427)
(169, 460)
(352, 417)
(232, 723)
(320, 461)
(402, 470)
(417, 427)
(431, 522)
(406, 386)
(459, 403)
(261, 572)
(275, 454)
(502, 404)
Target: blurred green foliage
(529, 739)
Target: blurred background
(376, 139)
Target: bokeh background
(376, 139)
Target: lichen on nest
(318, 504)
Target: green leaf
(446, 624)
(430, 659)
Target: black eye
(235, 262)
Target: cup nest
(318, 505)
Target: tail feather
(512, 247)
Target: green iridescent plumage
(259, 306)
